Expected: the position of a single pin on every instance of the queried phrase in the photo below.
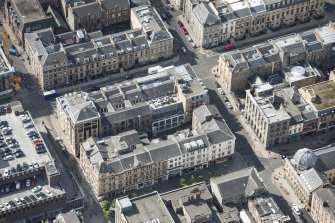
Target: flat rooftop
(29, 10)
(148, 208)
(325, 94)
(25, 144)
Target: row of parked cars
(38, 195)
(20, 167)
(36, 140)
(9, 146)
(17, 185)
(221, 92)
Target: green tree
(113, 203)
(108, 214)
(133, 195)
(201, 178)
(210, 174)
(192, 180)
(105, 205)
(182, 182)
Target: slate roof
(204, 112)
(110, 4)
(163, 150)
(205, 14)
(311, 180)
(327, 156)
(84, 10)
(217, 131)
(84, 112)
(327, 197)
(68, 217)
(242, 182)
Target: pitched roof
(163, 150)
(85, 10)
(84, 112)
(243, 182)
(204, 112)
(205, 14)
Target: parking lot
(15, 139)
(28, 191)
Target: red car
(229, 47)
(38, 143)
(184, 30)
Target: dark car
(164, 16)
(168, 14)
(4, 123)
(12, 170)
(19, 167)
(19, 154)
(6, 154)
(180, 24)
(6, 149)
(25, 166)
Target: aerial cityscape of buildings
(174, 111)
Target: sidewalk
(270, 34)
(278, 179)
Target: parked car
(193, 45)
(220, 90)
(4, 122)
(25, 166)
(183, 49)
(168, 14)
(19, 154)
(183, 30)
(36, 189)
(40, 150)
(189, 39)
(229, 105)
(296, 209)
(180, 23)
(164, 16)
(47, 192)
(6, 173)
(28, 183)
(35, 164)
(229, 47)
(9, 157)
(28, 125)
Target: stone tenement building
(214, 22)
(6, 77)
(129, 161)
(151, 104)
(93, 15)
(275, 59)
(279, 115)
(323, 205)
(70, 57)
(24, 16)
(309, 171)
